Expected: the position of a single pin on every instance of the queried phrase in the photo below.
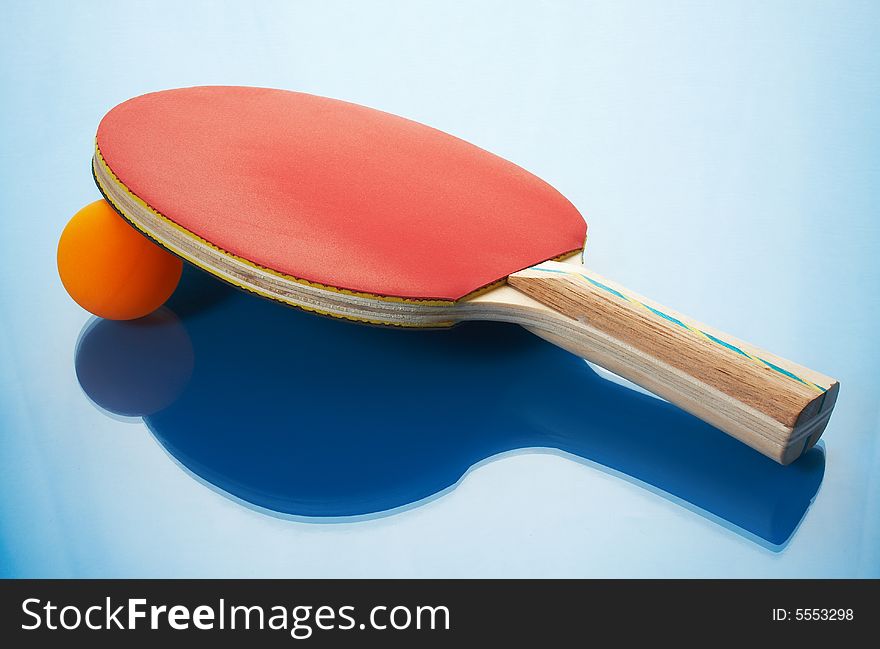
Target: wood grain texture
(769, 403)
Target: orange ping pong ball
(110, 269)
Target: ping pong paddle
(355, 213)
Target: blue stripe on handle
(756, 359)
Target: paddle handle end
(774, 405)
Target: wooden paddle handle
(771, 404)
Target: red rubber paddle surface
(336, 193)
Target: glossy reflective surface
(319, 418)
(725, 159)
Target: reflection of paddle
(355, 213)
(311, 417)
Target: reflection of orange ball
(112, 270)
(135, 368)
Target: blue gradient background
(725, 156)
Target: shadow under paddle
(312, 417)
